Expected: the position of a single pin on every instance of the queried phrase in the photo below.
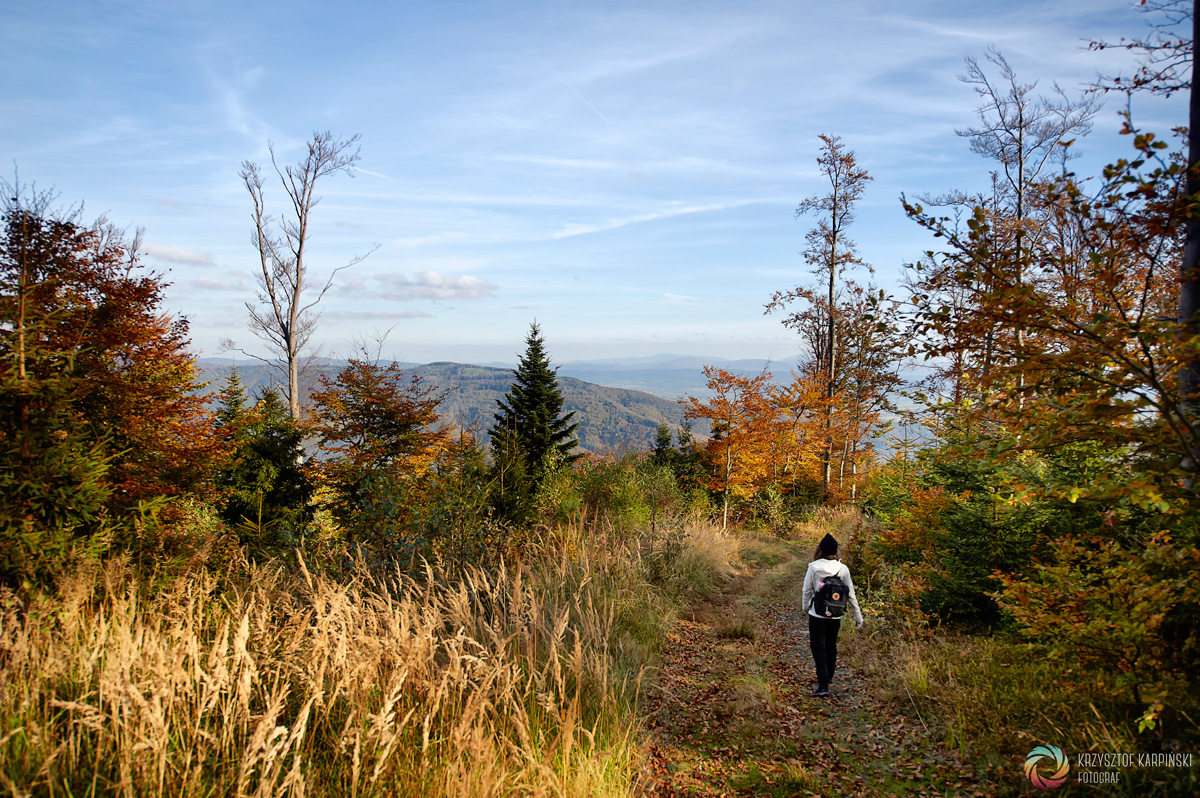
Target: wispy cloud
(470, 199)
(563, 163)
(428, 285)
(174, 254)
(664, 42)
(119, 128)
(240, 285)
(690, 165)
(437, 238)
(384, 315)
(231, 86)
(167, 202)
(613, 224)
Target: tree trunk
(842, 464)
(294, 385)
(828, 465)
(728, 474)
(22, 303)
(1189, 289)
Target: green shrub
(53, 486)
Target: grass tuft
(743, 627)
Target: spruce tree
(231, 402)
(531, 417)
(266, 492)
(664, 453)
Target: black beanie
(828, 545)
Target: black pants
(822, 639)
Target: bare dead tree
(284, 316)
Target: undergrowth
(994, 697)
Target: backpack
(831, 597)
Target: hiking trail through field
(733, 713)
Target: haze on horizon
(624, 173)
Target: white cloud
(385, 315)
(432, 285)
(209, 284)
(175, 254)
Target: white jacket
(822, 568)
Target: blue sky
(624, 173)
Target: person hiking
(828, 595)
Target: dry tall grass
(511, 682)
(838, 521)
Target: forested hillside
(609, 418)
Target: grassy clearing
(518, 681)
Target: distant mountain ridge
(609, 417)
(671, 376)
(667, 376)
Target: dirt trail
(734, 714)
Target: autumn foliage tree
(744, 420)
(377, 429)
(1057, 494)
(1078, 414)
(1165, 55)
(839, 418)
(1100, 346)
(102, 420)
